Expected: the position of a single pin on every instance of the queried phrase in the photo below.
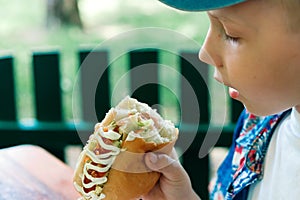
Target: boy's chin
(263, 110)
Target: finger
(169, 167)
(174, 154)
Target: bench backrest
(50, 131)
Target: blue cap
(200, 5)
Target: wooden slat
(194, 107)
(195, 73)
(236, 109)
(54, 136)
(144, 75)
(95, 87)
(7, 90)
(47, 86)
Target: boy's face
(254, 52)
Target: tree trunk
(63, 12)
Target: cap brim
(200, 5)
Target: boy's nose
(205, 57)
(210, 52)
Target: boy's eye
(231, 38)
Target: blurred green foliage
(23, 30)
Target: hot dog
(111, 166)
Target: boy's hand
(174, 183)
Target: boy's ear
(200, 5)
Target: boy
(254, 46)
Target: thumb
(169, 167)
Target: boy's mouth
(233, 93)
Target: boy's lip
(233, 93)
(220, 80)
(218, 77)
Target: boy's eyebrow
(222, 17)
(233, 19)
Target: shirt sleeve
(224, 173)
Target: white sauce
(105, 159)
(90, 195)
(134, 120)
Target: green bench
(50, 131)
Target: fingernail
(152, 157)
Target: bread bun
(111, 165)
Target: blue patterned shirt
(243, 165)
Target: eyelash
(230, 38)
